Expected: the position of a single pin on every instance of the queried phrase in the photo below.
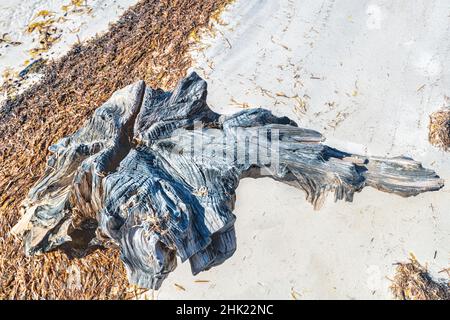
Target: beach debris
(421, 87)
(280, 44)
(201, 192)
(47, 28)
(339, 118)
(74, 278)
(301, 106)
(8, 74)
(76, 6)
(141, 196)
(413, 282)
(33, 67)
(243, 105)
(355, 91)
(6, 39)
(43, 24)
(439, 128)
(202, 281)
(295, 295)
(9, 78)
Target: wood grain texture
(158, 171)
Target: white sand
(371, 57)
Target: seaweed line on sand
(439, 128)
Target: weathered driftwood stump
(155, 173)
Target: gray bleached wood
(155, 173)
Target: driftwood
(155, 173)
(412, 281)
(439, 128)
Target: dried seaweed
(413, 282)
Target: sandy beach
(367, 75)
